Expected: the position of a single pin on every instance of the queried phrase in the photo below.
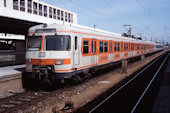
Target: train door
(76, 49)
(111, 50)
(94, 51)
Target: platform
(11, 79)
(162, 102)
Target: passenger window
(85, 47)
(101, 47)
(75, 43)
(121, 46)
(105, 46)
(92, 50)
(125, 46)
(137, 46)
(110, 47)
(118, 44)
(95, 47)
(115, 46)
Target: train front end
(48, 55)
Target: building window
(105, 47)
(40, 9)
(45, 11)
(101, 47)
(15, 4)
(58, 14)
(22, 5)
(29, 6)
(62, 15)
(4, 3)
(35, 7)
(85, 47)
(50, 12)
(71, 18)
(54, 13)
(66, 16)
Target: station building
(17, 16)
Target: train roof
(85, 29)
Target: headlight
(58, 61)
(28, 61)
(41, 54)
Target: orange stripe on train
(48, 61)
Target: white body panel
(80, 61)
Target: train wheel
(76, 80)
(88, 76)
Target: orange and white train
(73, 51)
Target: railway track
(128, 96)
(22, 101)
(30, 98)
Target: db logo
(41, 61)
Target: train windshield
(34, 43)
(58, 43)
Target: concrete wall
(9, 3)
(1, 3)
(10, 84)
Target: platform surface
(162, 102)
(10, 71)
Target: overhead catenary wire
(158, 20)
(121, 12)
(92, 10)
(151, 16)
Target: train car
(73, 51)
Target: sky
(149, 19)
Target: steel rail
(146, 89)
(125, 84)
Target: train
(68, 51)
